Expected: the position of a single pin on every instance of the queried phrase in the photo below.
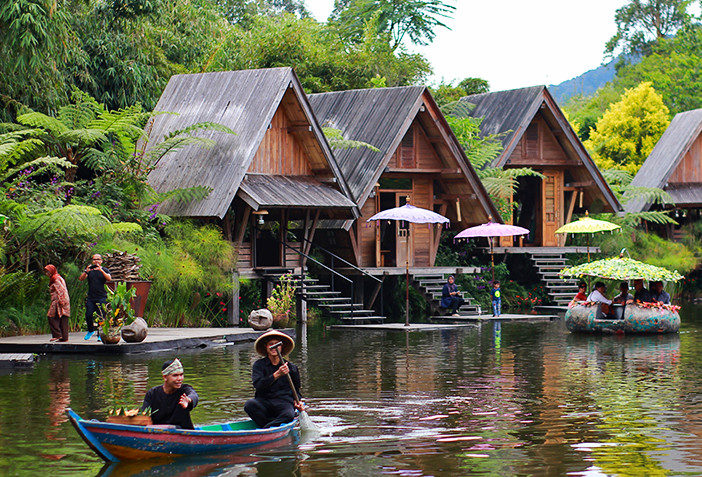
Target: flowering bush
(282, 297)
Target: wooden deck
(545, 250)
(16, 360)
(379, 271)
(158, 339)
(504, 317)
(402, 327)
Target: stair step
(549, 259)
(551, 267)
(353, 312)
(332, 299)
(429, 276)
(347, 304)
(363, 319)
(322, 293)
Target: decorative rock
(261, 319)
(136, 332)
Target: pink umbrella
(490, 230)
(412, 214)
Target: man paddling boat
(274, 402)
(171, 402)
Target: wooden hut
(418, 161)
(675, 165)
(276, 172)
(535, 133)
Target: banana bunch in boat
(121, 411)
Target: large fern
(336, 140)
(79, 221)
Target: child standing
(496, 299)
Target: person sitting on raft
(624, 297)
(597, 296)
(273, 404)
(641, 295)
(171, 402)
(581, 295)
(658, 294)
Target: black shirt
(165, 408)
(643, 296)
(96, 284)
(267, 387)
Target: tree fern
(39, 166)
(43, 121)
(337, 141)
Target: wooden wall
(690, 168)
(539, 147)
(281, 152)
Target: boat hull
(121, 442)
(636, 320)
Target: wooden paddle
(306, 423)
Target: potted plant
(281, 300)
(116, 312)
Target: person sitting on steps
(451, 297)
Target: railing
(335, 256)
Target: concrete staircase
(548, 264)
(331, 302)
(430, 285)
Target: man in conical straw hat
(171, 402)
(274, 403)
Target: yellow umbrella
(587, 225)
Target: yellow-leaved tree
(627, 132)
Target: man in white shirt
(598, 296)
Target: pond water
(515, 399)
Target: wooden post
(234, 306)
(301, 309)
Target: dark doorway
(267, 248)
(528, 197)
(388, 236)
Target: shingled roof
(382, 117)
(510, 112)
(245, 101)
(665, 157)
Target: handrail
(338, 257)
(315, 261)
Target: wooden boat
(122, 442)
(634, 319)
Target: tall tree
(642, 22)
(413, 20)
(446, 93)
(626, 134)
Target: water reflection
(494, 399)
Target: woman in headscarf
(60, 308)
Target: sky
(515, 43)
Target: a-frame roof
(244, 101)
(382, 117)
(665, 157)
(510, 113)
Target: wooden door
(551, 206)
(403, 231)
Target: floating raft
(636, 319)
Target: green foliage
(446, 93)
(627, 132)
(282, 297)
(674, 66)
(641, 22)
(323, 60)
(415, 20)
(649, 248)
(117, 310)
